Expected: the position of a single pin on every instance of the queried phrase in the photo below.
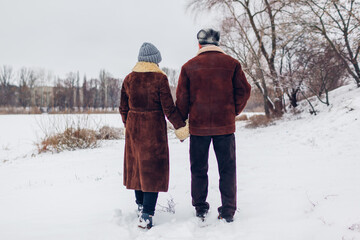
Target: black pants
(224, 147)
(148, 200)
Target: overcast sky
(89, 35)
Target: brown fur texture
(145, 98)
(212, 90)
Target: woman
(145, 98)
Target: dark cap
(208, 36)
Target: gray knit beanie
(149, 53)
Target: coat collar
(147, 67)
(210, 48)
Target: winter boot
(228, 219)
(145, 221)
(202, 214)
(139, 210)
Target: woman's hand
(183, 132)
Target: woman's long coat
(145, 98)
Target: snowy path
(296, 180)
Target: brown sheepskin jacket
(145, 98)
(212, 90)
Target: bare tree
(26, 80)
(77, 93)
(85, 94)
(310, 67)
(104, 77)
(70, 85)
(326, 72)
(338, 22)
(94, 95)
(60, 94)
(114, 92)
(24, 90)
(294, 63)
(6, 78)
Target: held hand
(183, 132)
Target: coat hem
(147, 190)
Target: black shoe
(202, 214)
(145, 221)
(228, 219)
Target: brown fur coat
(212, 90)
(145, 98)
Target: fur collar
(147, 67)
(210, 48)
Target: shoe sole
(147, 227)
(228, 221)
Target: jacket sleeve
(241, 89)
(168, 105)
(183, 94)
(124, 104)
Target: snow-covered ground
(20, 133)
(297, 179)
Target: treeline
(30, 90)
(291, 50)
(40, 90)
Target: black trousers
(148, 200)
(224, 147)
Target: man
(212, 90)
